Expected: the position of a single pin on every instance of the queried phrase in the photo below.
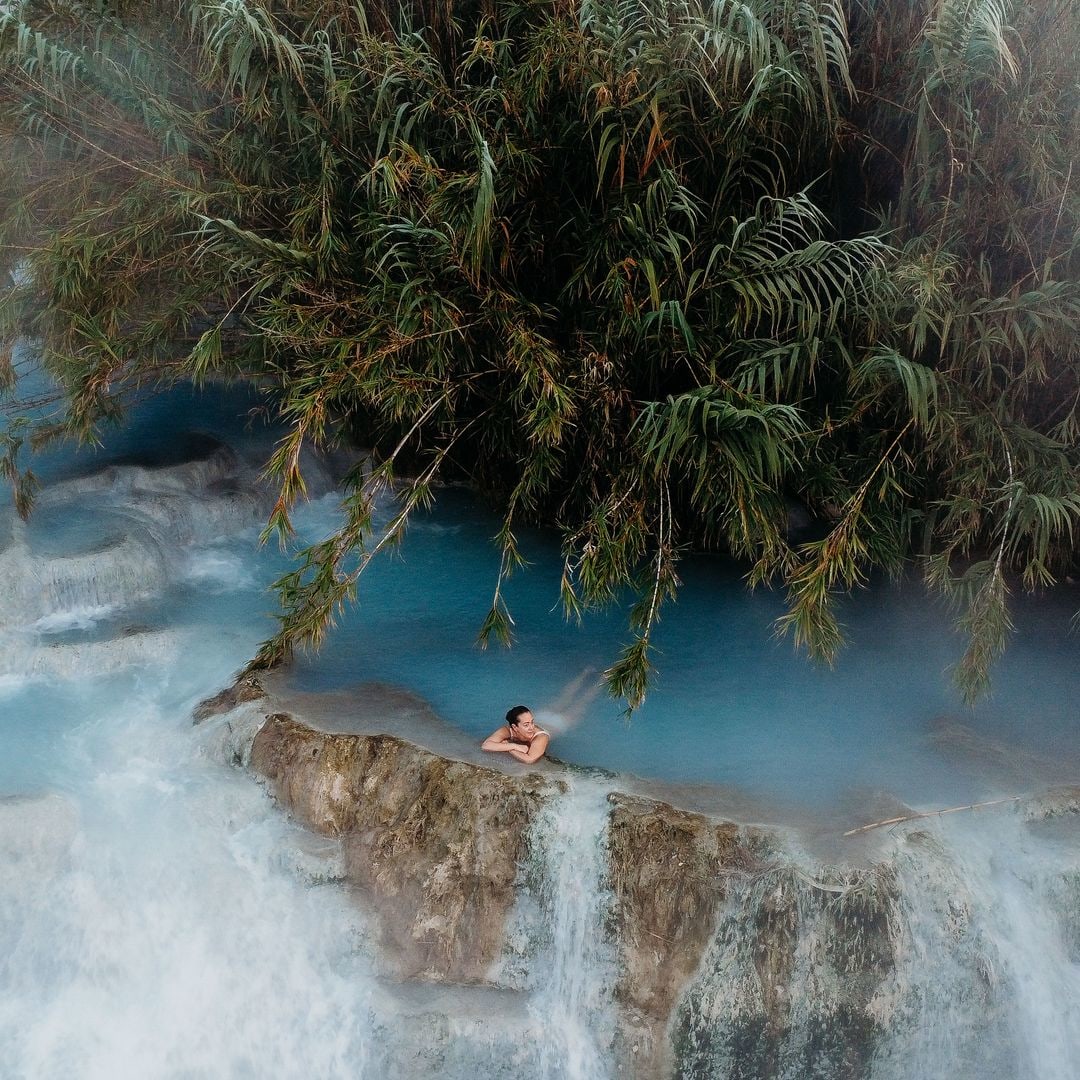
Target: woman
(519, 737)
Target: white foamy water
(78, 618)
(162, 919)
(573, 1005)
(989, 982)
(152, 922)
(220, 570)
(12, 684)
(164, 939)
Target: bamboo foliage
(649, 272)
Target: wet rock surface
(669, 872)
(432, 845)
(1063, 801)
(789, 986)
(736, 953)
(729, 955)
(246, 688)
(737, 961)
(104, 543)
(668, 875)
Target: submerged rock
(246, 688)
(1012, 767)
(432, 845)
(134, 647)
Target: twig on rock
(931, 813)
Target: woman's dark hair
(513, 715)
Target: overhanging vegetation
(647, 272)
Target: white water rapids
(161, 918)
(150, 925)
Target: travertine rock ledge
(432, 844)
(663, 931)
(735, 952)
(707, 917)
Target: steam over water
(161, 917)
(732, 705)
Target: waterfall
(36, 588)
(788, 984)
(165, 939)
(987, 982)
(572, 1007)
(160, 914)
(957, 954)
(100, 544)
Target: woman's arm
(534, 753)
(500, 740)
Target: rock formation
(246, 688)
(57, 582)
(735, 959)
(735, 955)
(668, 870)
(432, 845)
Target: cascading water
(988, 984)
(956, 956)
(573, 1007)
(147, 926)
(159, 937)
(161, 917)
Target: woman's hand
(502, 740)
(528, 755)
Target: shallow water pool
(731, 703)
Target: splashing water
(573, 1006)
(989, 984)
(161, 918)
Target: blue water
(215, 603)
(159, 427)
(158, 917)
(731, 703)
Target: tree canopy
(651, 272)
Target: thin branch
(931, 813)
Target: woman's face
(524, 725)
